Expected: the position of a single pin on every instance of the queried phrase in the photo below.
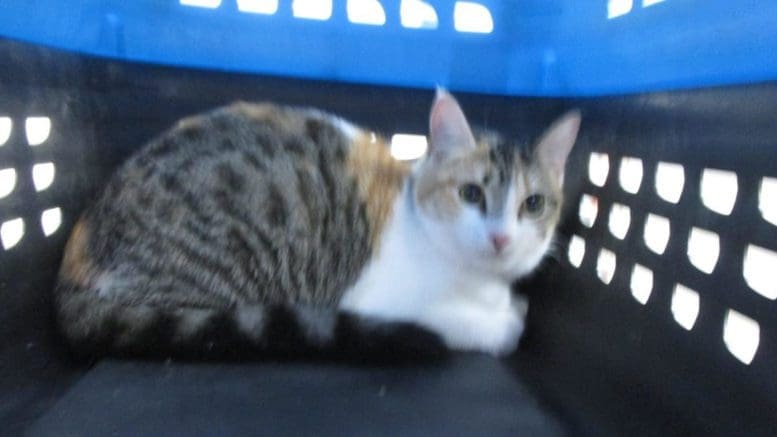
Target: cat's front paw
(495, 331)
(512, 328)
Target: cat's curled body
(261, 227)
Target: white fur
(191, 320)
(250, 319)
(348, 129)
(448, 277)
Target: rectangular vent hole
(719, 190)
(50, 220)
(605, 265)
(37, 130)
(7, 181)
(703, 249)
(43, 175)
(11, 232)
(685, 306)
(641, 283)
(741, 335)
(576, 250)
(407, 147)
(630, 174)
(265, 7)
(656, 233)
(598, 168)
(767, 200)
(210, 4)
(670, 179)
(368, 12)
(6, 125)
(617, 8)
(759, 267)
(417, 14)
(312, 9)
(589, 208)
(620, 219)
(472, 17)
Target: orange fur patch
(257, 111)
(77, 267)
(187, 122)
(437, 190)
(379, 177)
(277, 116)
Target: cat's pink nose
(499, 241)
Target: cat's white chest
(408, 281)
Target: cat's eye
(534, 205)
(471, 193)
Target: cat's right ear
(449, 131)
(556, 143)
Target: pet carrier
(656, 316)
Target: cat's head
(483, 202)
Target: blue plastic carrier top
(521, 47)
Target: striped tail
(96, 327)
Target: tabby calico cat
(259, 228)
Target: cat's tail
(96, 327)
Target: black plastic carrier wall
(656, 316)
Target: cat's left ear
(449, 131)
(557, 141)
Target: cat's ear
(557, 141)
(449, 131)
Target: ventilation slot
(703, 249)
(416, 14)
(406, 147)
(630, 174)
(7, 181)
(685, 306)
(50, 220)
(210, 4)
(37, 130)
(43, 175)
(589, 208)
(11, 232)
(312, 9)
(641, 283)
(472, 18)
(366, 12)
(656, 233)
(6, 125)
(620, 219)
(576, 251)
(670, 179)
(758, 269)
(719, 190)
(605, 266)
(767, 200)
(616, 8)
(741, 335)
(598, 168)
(265, 7)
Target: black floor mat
(471, 395)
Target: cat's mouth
(500, 253)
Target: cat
(257, 228)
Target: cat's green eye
(534, 205)
(471, 193)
